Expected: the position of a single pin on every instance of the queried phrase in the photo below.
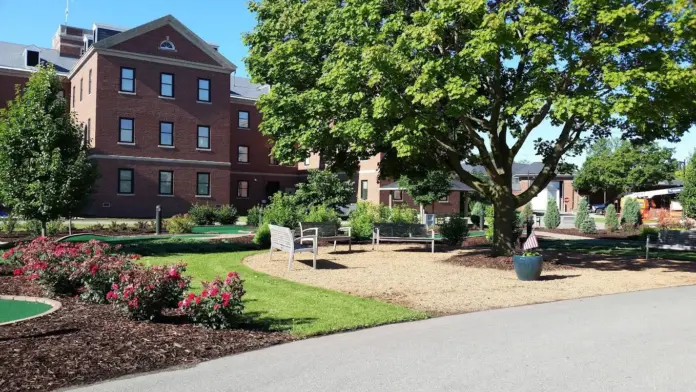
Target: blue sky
(219, 21)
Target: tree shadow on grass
(257, 321)
(618, 262)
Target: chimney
(68, 41)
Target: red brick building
(167, 120)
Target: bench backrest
(677, 237)
(281, 238)
(324, 229)
(402, 230)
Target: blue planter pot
(528, 267)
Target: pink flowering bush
(142, 293)
(219, 305)
(100, 270)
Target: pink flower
(114, 286)
(17, 271)
(198, 300)
(135, 257)
(214, 291)
(216, 306)
(191, 296)
(225, 299)
(182, 285)
(204, 293)
(233, 275)
(174, 273)
(180, 304)
(228, 281)
(93, 269)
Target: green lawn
(14, 310)
(223, 229)
(599, 219)
(274, 303)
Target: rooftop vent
(31, 57)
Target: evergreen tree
(630, 215)
(45, 172)
(588, 226)
(583, 212)
(611, 220)
(552, 217)
(688, 196)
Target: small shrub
(51, 264)
(113, 227)
(582, 214)
(55, 227)
(322, 213)
(33, 227)
(253, 216)
(97, 227)
(455, 231)
(611, 219)
(477, 210)
(588, 226)
(282, 211)
(365, 215)
(646, 231)
(226, 214)
(9, 224)
(100, 269)
(202, 214)
(180, 224)
(219, 306)
(526, 216)
(490, 218)
(143, 226)
(143, 293)
(552, 217)
(262, 237)
(403, 214)
(630, 215)
(123, 227)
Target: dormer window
(167, 45)
(32, 58)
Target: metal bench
(282, 238)
(327, 231)
(671, 240)
(403, 232)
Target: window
(398, 195)
(242, 189)
(444, 199)
(125, 132)
(363, 190)
(203, 137)
(73, 96)
(125, 181)
(243, 119)
(166, 85)
(167, 45)
(166, 182)
(88, 131)
(203, 184)
(306, 161)
(89, 82)
(204, 90)
(166, 133)
(243, 154)
(80, 89)
(127, 80)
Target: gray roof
(454, 186)
(518, 169)
(12, 57)
(244, 88)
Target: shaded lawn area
(613, 248)
(129, 240)
(223, 229)
(274, 303)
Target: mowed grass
(614, 248)
(274, 303)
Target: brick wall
(8, 84)
(86, 108)
(450, 207)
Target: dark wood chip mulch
(602, 234)
(481, 258)
(85, 343)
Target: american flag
(531, 242)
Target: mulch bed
(481, 258)
(85, 343)
(602, 234)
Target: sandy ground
(411, 276)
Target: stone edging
(55, 305)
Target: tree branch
(531, 125)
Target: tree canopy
(324, 188)
(436, 83)
(428, 189)
(688, 195)
(624, 168)
(45, 172)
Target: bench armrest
(316, 231)
(432, 233)
(344, 229)
(312, 238)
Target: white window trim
(126, 143)
(165, 97)
(126, 92)
(165, 146)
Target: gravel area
(441, 283)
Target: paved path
(643, 341)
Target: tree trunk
(505, 221)
(43, 228)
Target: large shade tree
(434, 83)
(625, 167)
(45, 171)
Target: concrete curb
(55, 305)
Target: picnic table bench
(672, 240)
(282, 238)
(403, 232)
(327, 231)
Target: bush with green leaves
(9, 224)
(282, 211)
(402, 214)
(55, 227)
(202, 214)
(455, 230)
(646, 231)
(180, 224)
(365, 215)
(253, 217)
(588, 226)
(324, 188)
(611, 220)
(322, 213)
(262, 237)
(583, 213)
(226, 214)
(552, 217)
(489, 219)
(33, 227)
(477, 210)
(526, 215)
(630, 215)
